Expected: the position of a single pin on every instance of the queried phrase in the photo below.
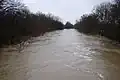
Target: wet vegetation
(18, 24)
(103, 20)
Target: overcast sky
(68, 10)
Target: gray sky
(68, 10)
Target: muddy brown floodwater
(62, 55)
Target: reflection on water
(63, 55)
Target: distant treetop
(68, 25)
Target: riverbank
(112, 41)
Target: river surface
(62, 55)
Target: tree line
(17, 23)
(103, 20)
